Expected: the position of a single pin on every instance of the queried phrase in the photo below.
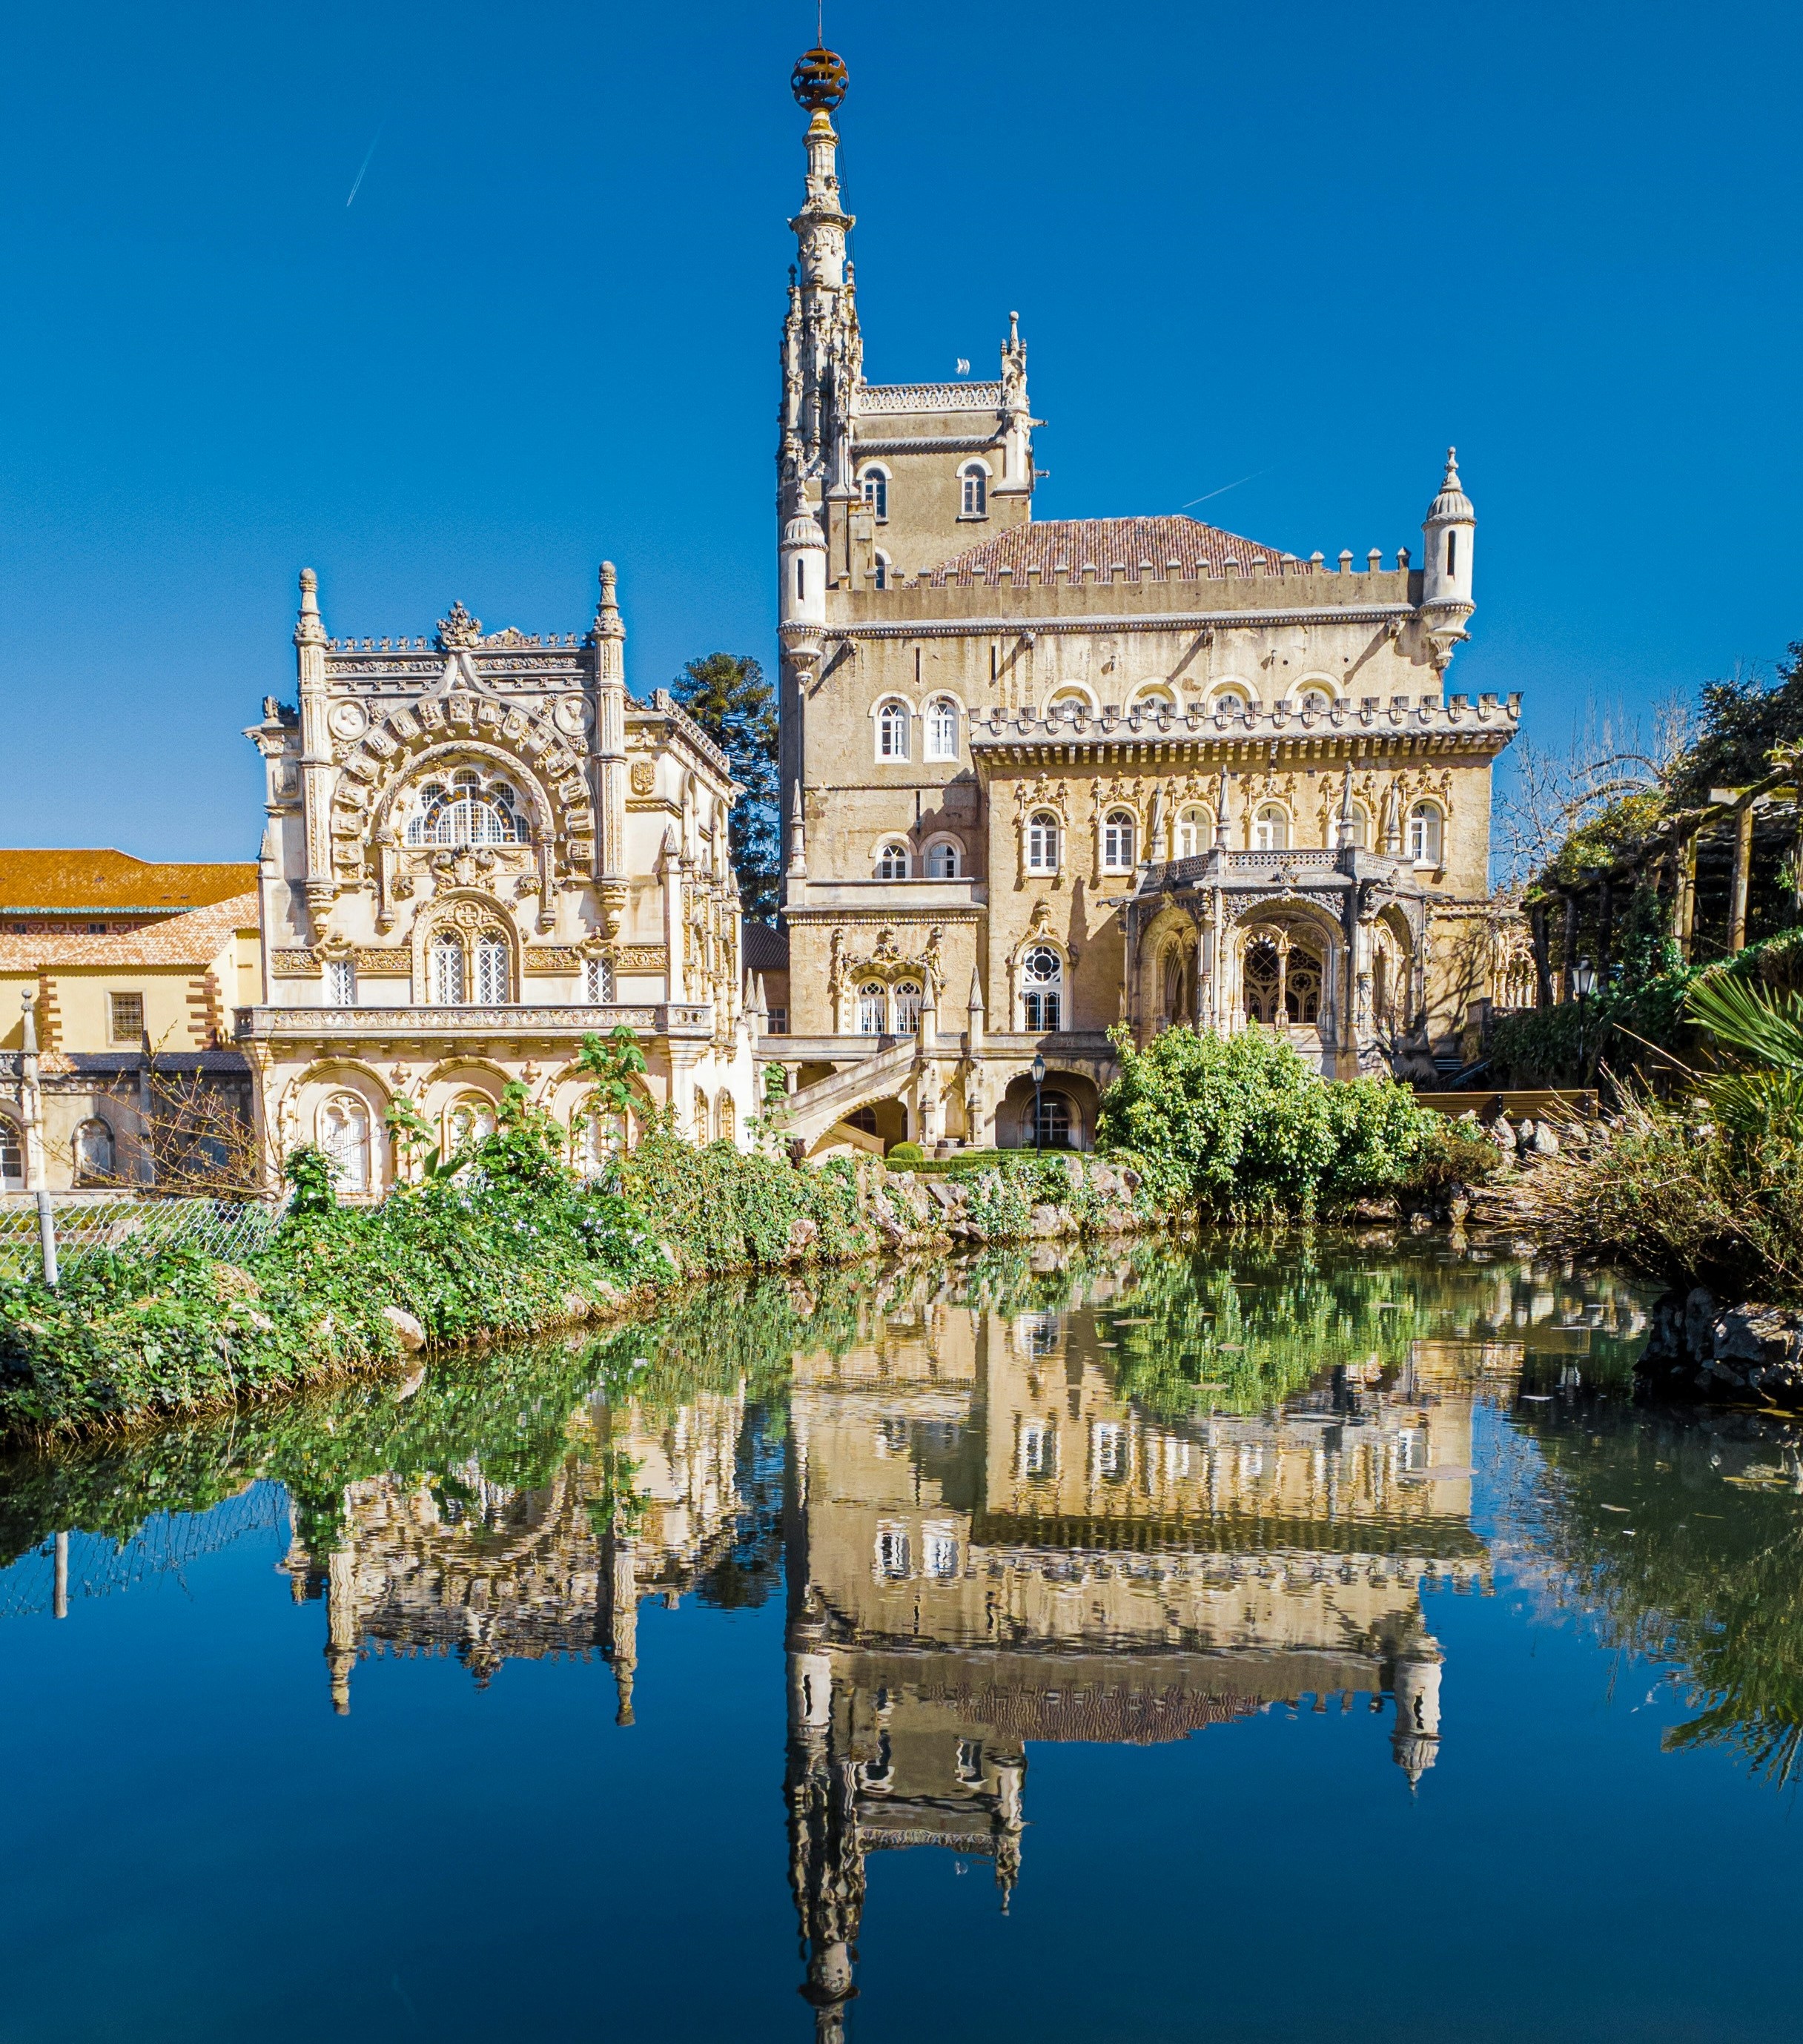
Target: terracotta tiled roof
(197, 938)
(68, 882)
(1104, 543)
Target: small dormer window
(973, 501)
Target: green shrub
(906, 1155)
(1239, 1127)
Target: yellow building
(1041, 778)
(121, 1016)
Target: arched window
(1117, 831)
(974, 496)
(1231, 702)
(12, 1158)
(892, 861)
(94, 1151)
(1042, 842)
(892, 731)
(471, 1120)
(1317, 701)
(1193, 831)
(1270, 828)
(1067, 700)
(344, 1135)
(872, 1010)
(1054, 1130)
(880, 571)
(445, 970)
(863, 1119)
(726, 1118)
(1042, 987)
(597, 979)
(1424, 832)
(942, 728)
(491, 970)
(876, 495)
(471, 808)
(596, 1140)
(942, 860)
(907, 1008)
(1155, 697)
(1361, 829)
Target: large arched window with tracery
(343, 1134)
(468, 808)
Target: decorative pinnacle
(607, 624)
(819, 79)
(1451, 479)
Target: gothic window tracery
(1283, 981)
(342, 1131)
(1042, 989)
(470, 807)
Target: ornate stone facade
(480, 850)
(1135, 769)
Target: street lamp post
(1583, 985)
(1039, 1081)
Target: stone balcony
(513, 1022)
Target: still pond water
(1279, 1644)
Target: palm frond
(1759, 1024)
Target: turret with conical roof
(1447, 533)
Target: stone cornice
(1131, 621)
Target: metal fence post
(47, 1237)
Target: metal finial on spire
(819, 79)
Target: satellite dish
(963, 365)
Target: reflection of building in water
(988, 1546)
(642, 1504)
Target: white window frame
(355, 1161)
(1267, 815)
(1042, 995)
(442, 947)
(1044, 835)
(892, 853)
(1193, 816)
(883, 571)
(1426, 840)
(941, 720)
(340, 982)
(969, 474)
(906, 998)
(872, 999)
(12, 1155)
(873, 486)
(947, 847)
(494, 969)
(1119, 837)
(892, 717)
(598, 981)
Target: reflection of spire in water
(623, 1625)
(1416, 1742)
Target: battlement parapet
(1492, 719)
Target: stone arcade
(1040, 778)
(480, 851)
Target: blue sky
(1307, 244)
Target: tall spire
(822, 355)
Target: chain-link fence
(62, 1571)
(228, 1229)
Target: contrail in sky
(1226, 486)
(358, 185)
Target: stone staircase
(814, 1109)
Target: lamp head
(1039, 1068)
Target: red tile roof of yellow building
(1151, 546)
(196, 938)
(70, 883)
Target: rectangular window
(340, 983)
(779, 1022)
(597, 979)
(1042, 1012)
(128, 1017)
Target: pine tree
(727, 695)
